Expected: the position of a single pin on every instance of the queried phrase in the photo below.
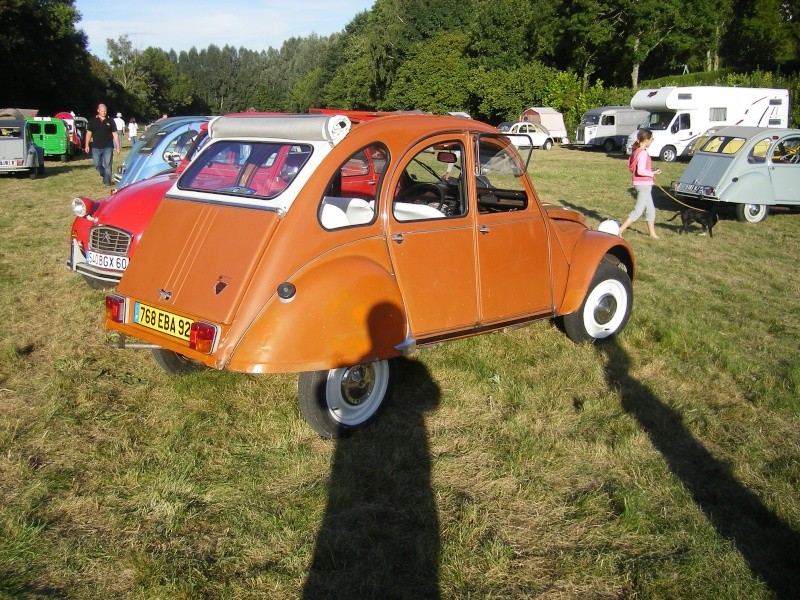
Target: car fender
(592, 247)
(346, 310)
(752, 187)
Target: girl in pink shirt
(642, 179)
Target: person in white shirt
(133, 130)
(120, 123)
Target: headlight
(82, 207)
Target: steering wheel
(422, 192)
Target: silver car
(752, 168)
(18, 153)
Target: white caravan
(608, 127)
(678, 115)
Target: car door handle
(483, 229)
(398, 237)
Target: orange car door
(431, 239)
(512, 242)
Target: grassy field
(663, 465)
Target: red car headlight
(82, 207)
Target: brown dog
(706, 219)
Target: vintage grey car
(18, 153)
(750, 168)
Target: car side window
(432, 185)
(177, 148)
(758, 153)
(499, 184)
(351, 195)
(787, 151)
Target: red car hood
(132, 207)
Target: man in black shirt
(103, 139)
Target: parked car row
(328, 244)
(105, 232)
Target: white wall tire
(605, 309)
(751, 213)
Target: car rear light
(709, 191)
(202, 337)
(115, 308)
(82, 207)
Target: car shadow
(767, 542)
(379, 536)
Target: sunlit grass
(511, 465)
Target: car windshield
(260, 169)
(590, 119)
(658, 121)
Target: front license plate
(161, 320)
(107, 261)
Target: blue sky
(181, 24)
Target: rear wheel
(176, 364)
(336, 402)
(751, 213)
(605, 309)
(547, 144)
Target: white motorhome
(678, 115)
(608, 127)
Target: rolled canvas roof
(312, 128)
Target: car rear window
(10, 132)
(719, 144)
(261, 169)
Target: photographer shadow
(380, 533)
(767, 542)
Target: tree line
(491, 59)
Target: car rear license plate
(162, 321)
(107, 261)
(8, 163)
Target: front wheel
(336, 402)
(606, 308)
(176, 364)
(668, 154)
(751, 213)
(609, 146)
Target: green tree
(435, 77)
(44, 63)
(647, 25)
(588, 29)
(168, 90)
(761, 36)
(503, 34)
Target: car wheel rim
(354, 393)
(605, 309)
